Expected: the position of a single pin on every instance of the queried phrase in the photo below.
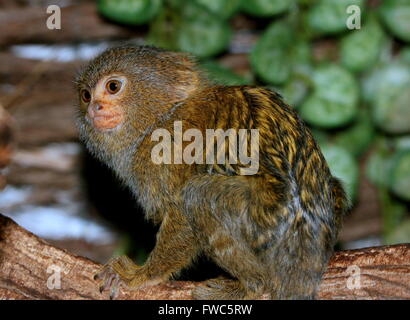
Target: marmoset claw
(120, 270)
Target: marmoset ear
(186, 78)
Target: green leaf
(379, 163)
(393, 212)
(396, 16)
(222, 75)
(270, 54)
(361, 48)
(163, 30)
(387, 89)
(384, 78)
(131, 12)
(400, 175)
(266, 8)
(402, 142)
(401, 233)
(330, 16)
(295, 91)
(391, 110)
(334, 101)
(321, 136)
(189, 27)
(343, 166)
(223, 8)
(405, 55)
(376, 169)
(204, 36)
(358, 136)
(278, 53)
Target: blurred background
(351, 86)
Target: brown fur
(272, 232)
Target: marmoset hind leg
(175, 249)
(266, 248)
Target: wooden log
(78, 23)
(41, 97)
(5, 138)
(30, 268)
(14, 69)
(35, 3)
(6, 146)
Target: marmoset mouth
(105, 122)
(104, 119)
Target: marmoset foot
(122, 270)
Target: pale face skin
(103, 102)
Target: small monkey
(272, 231)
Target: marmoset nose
(95, 107)
(98, 107)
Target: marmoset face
(130, 87)
(102, 103)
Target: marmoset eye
(113, 86)
(85, 95)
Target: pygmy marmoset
(272, 230)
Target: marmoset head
(127, 85)
(126, 89)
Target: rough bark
(29, 269)
(40, 96)
(5, 143)
(78, 23)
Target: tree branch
(29, 270)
